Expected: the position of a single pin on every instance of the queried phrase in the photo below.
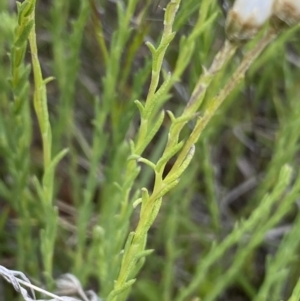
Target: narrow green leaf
(25, 31)
(168, 155)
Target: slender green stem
(97, 26)
(198, 93)
(215, 103)
(39, 98)
(46, 188)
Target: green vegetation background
(230, 228)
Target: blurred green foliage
(96, 170)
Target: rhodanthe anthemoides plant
(121, 253)
(244, 21)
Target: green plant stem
(215, 103)
(46, 188)
(218, 63)
(136, 242)
(198, 94)
(277, 265)
(17, 137)
(97, 26)
(296, 292)
(40, 103)
(256, 239)
(253, 223)
(145, 124)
